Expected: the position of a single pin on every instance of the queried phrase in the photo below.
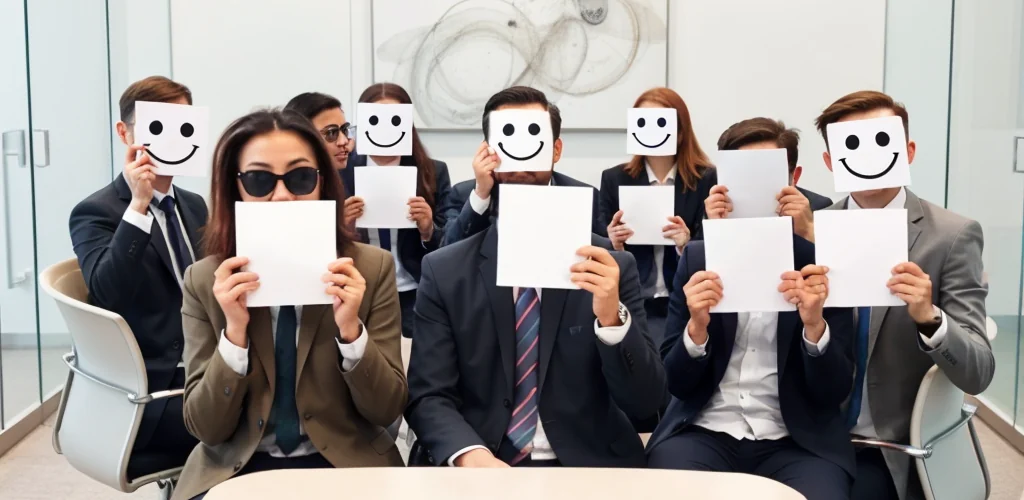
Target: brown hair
(426, 184)
(762, 129)
(522, 95)
(152, 89)
(219, 234)
(690, 158)
(859, 102)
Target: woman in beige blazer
(292, 386)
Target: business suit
(810, 388)
(948, 248)
(130, 272)
(344, 413)
(462, 221)
(461, 382)
(818, 202)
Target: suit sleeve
(609, 198)
(443, 189)
(708, 181)
(684, 372)
(377, 383)
(828, 377)
(466, 224)
(632, 368)
(434, 397)
(598, 227)
(110, 252)
(965, 354)
(214, 393)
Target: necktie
(286, 413)
(523, 424)
(385, 239)
(861, 354)
(181, 253)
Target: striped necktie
(523, 425)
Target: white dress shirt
(145, 222)
(611, 335)
(746, 403)
(405, 280)
(237, 358)
(865, 425)
(660, 288)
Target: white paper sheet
(539, 231)
(289, 245)
(385, 192)
(176, 136)
(750, 256)
(522, 139)
(754, 178)
(646, 209)
(860, 248)
(384, 129)
(868, 154)
(651, 131)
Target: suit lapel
(192, 222)
(552, 304)
(915, 213)
(788, 323)
(261, 337)
(502, 305)
(309, 326)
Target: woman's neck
(386, 161)
(661, 165)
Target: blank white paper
(754, 178)
(385, 192)
(646, 209)
(860, 248)
(289, 245)
(540, 228)
(750, 255)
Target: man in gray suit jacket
(943, 323)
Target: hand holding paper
(646, 210)
(346, 285)
(176, 137)
(754, 178)
(860, 248)
(750, 256)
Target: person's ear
(828, 160)
(556, 149)
(911, 151)
(124, 133)
(795, 176)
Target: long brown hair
(690, 158)
(426, 185)
(219, 234)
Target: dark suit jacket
(130, 273)
(462, 364)
(462, 221)
(689, 205)
(818, 202)
(811, 389)
(410, 248)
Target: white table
(445, 483)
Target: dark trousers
(407, 302)
(657, 313)
(873, 481)
(170, 436)
(781, 460)
(263, 462)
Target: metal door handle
(43, 160)
(1017, 140)
(13, 144)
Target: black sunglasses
(300, 181)
(332, 132)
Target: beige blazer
(344, 414)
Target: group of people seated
(514, 376)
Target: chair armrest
(70, 359)
(966, 414)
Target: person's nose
(281, 192)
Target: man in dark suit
(758, 393)
(134, 238)
(505, 376)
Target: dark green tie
(286, 413)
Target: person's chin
(340, 162)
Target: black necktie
(385, 239)
(286, 412)
(181, 253)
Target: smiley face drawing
(522, 139)
(868, 154)
(651, 131)
(173, 134)
(386, 128)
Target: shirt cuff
(695, 351)
(237, 358)
(457, 454)
(480, 205)
(818, 349)
(612, 335)
(143, 222)
(352, 352)
(935, 340)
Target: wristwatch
(623, 313)
(928, 329)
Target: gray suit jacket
(948, 248)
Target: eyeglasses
(332, 132)
(300, 181)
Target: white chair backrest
(98, 424)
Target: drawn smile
(663, 141)
(384, 145)
(501, 146)
(869, 177)
(166, 162)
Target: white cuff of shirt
(818, 349)
(352, 352)
(480, 205)
(237, 358)
(936, 339)
(695, 351)
(612, 335)
(143, 222)
(457, 454)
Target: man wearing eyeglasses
(327, 116)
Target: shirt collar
(900, 201)
(670, 178)
(158, 196)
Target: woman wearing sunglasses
(327, 116)
(286, 387)
(408, 246)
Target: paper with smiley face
(384, 129)
(868, 154)
(522, 140)
(176, 137)
(651, 131)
